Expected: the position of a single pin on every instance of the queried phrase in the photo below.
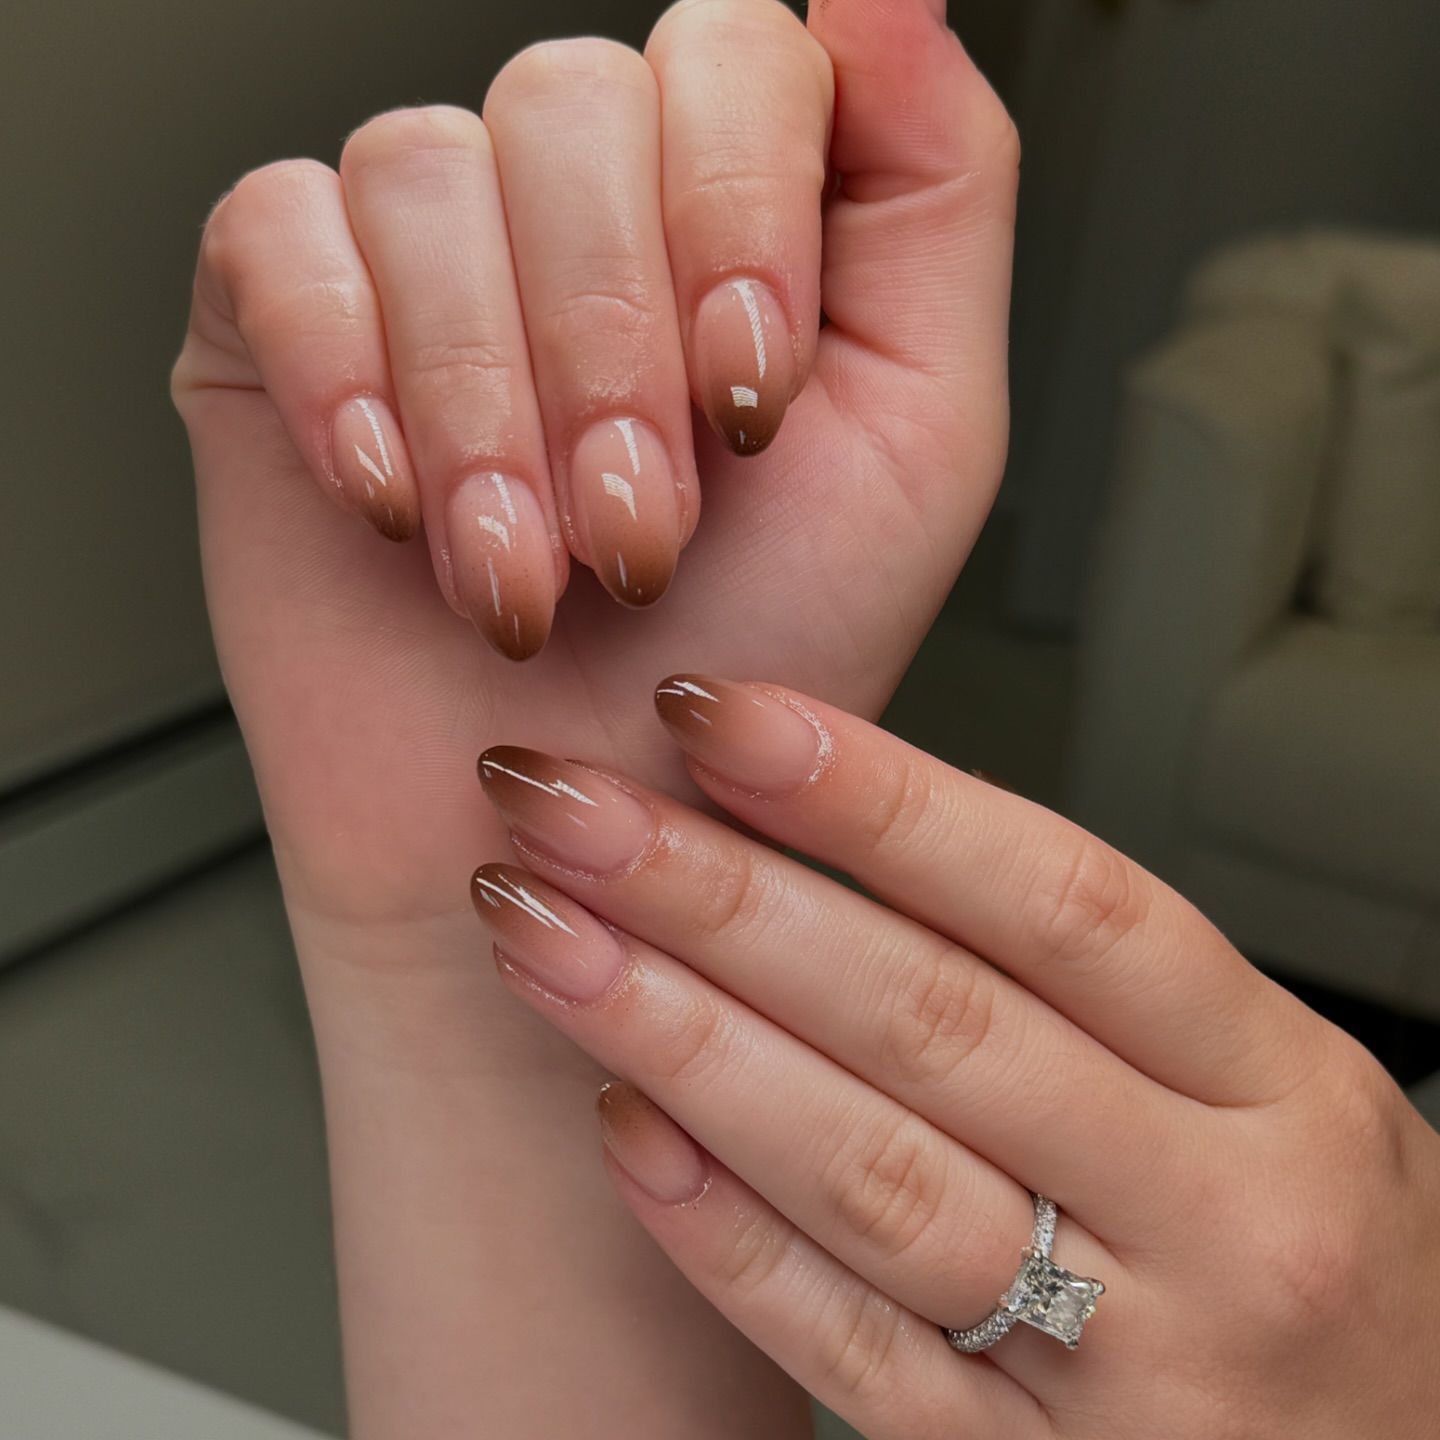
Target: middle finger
(576, 125)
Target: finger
(921, 1019)
(283, 301)
(1101, 940)
(746, 96)
(424, 198)
(576, 126)
(884, 1191)
(918, 239)
(876, 1364)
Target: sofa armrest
(1222, 433)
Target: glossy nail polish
(650, 1147)
(500, 558)
(744, 362)
(550, 939)
(565, 812)
(372, 466)
(626, 510)
(745, 736)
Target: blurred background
(1205, 619)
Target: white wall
(1150, 139)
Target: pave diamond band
(1043, 1294)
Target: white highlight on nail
(688, 687)
(368, 411)
(506, 503)
(627, 433)
(498, 528)
(618, 488)
(620, 565)
(746, 291)
(742, 397)
(494, 583)
(370, 465)
(548, 787)
(524, 899)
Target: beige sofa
(1259, 708)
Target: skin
(490, 1283)
(835, 1109)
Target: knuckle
(905, 807)
(585, 63)
(703, 1038)
(730, 901)
(757, 1250)
(256, 201)
(447, 363)
(1311, 1275)
(419, 135)
(889, 1186)
(943, 1012)
(1085, 905)
(621, 304)
(855, 1346)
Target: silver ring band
(1043, 1294)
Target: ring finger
(424, 199)
(576, 125)
(884, 1191)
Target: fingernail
(500, 556)
(742, 734)
(744, 363)
(566, 812)
(622, 492)
(650, 1147)
(552, 940)
(372, 467)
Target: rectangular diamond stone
(1052, 1299)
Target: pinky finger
(882, 1368)
(284, 301)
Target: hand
(395, 337)
(482, 343)
(837, 1109)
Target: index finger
(1100, 939)
(746, 96)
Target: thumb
(919, 237)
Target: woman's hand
(837, 1108)
(521, 295)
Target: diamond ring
(1043, 1294)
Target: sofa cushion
(1321, 752)
(1379, 551)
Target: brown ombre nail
(744, 362)
(372, 466)
(566, 812)
(742, 734)
(626, 508)
(650, 1147)
(500, 556)
(555, 942)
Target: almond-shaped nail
(500, 556)
(744, 735)
(565, 811)
(626, 509)
(561, 946)
(744, 362)
(650, 1147)
(372, 466)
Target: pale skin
(492, 327)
